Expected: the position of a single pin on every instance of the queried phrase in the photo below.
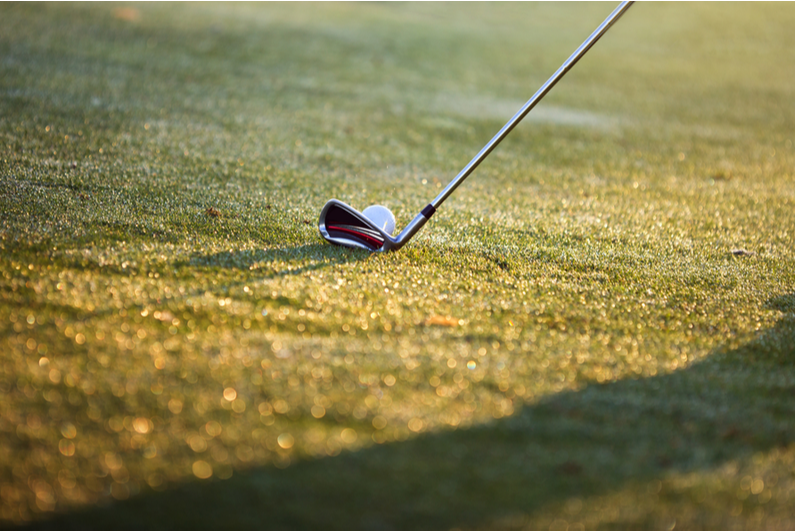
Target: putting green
(595, 331)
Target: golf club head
(342, 224)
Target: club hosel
(411, 229)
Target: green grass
(573, 342)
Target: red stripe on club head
(362, 235)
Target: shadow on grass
(784, 303)
(282, 261)
(571, 445)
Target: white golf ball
(381, 216)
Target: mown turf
(595, 332)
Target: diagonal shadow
(783, 303)
(318, 256)
(575, 444)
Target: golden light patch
(285, 440)
(130, 14)
(202, 469)
(441, 320)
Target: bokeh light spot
(379, 422)
(175, 405)
(213, 428)
(286, 441)
(348, 436)
(66, 447)
(197, 443)
(68, 430)
(202, 469)
(141, 425)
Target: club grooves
(367, 238)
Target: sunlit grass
(595, 330)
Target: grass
(596, 331)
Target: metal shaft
(507, 128)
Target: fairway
(595, 331)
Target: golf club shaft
(507, 128)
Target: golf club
(341, 224)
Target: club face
(343, 225)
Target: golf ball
(381, 217)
